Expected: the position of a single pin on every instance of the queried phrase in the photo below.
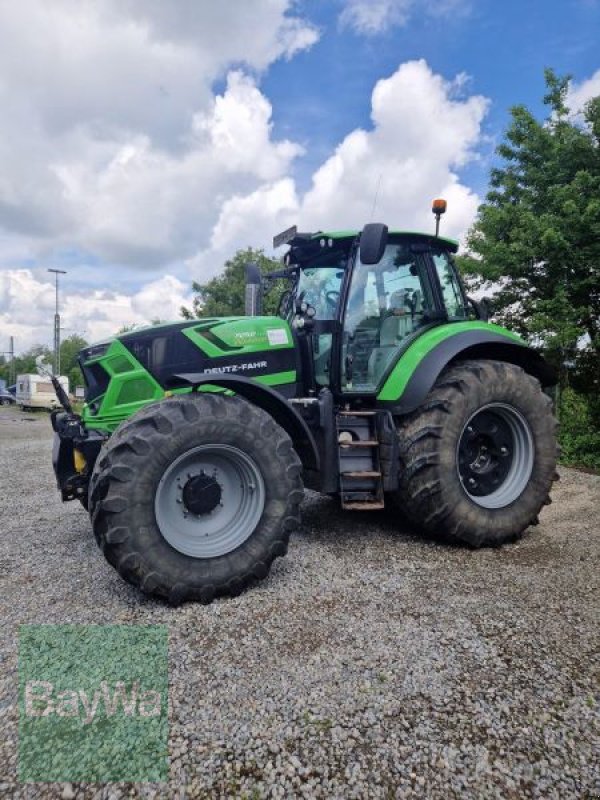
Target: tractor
(379, 381)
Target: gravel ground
(371, 663)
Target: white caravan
(36, 391)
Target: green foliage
(536, 241)
(579, 437)
(69, 366)
(25, 363)
(224, 295)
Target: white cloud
(580, 93)
(27, 308)
(115, 144)
(112, 140)
(421, 134)
(423, 131)
(373, 17)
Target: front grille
(96, 380)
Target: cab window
(451, 289)
(320, 287)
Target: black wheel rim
(495, 455)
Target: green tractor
(378, 381)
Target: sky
(143, 142)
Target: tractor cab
(359, 299)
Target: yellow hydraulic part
(79, 461)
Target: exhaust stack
(253, 290)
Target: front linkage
(75, 449)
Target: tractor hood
(141, 365)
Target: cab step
(363, 505)
(361, 474)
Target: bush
(578, 436)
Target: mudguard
(267, 399)
(418, 368)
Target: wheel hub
(495, 455)
(209, 500)
(485, 453)
(201, 494)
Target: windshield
(387, 302)
(319, 287)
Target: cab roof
(306, 248)
(430, 238)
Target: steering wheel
(332, 299)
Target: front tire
(195, 496)
(479, 457)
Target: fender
(270, 401)
(418, 368)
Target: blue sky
(145, 142)
(503, 47)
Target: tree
(25, 363)
(69, 366)
(224, 295)
(537, 236)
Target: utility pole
(57, 272)
(11, 362)
(11, 352)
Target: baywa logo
(93, 703)
(42, 700)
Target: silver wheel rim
(233, 519)
(516, 477)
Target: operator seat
(396, 324)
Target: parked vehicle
(37, 391)
(6, 398)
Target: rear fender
(482, 342)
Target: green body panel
(243, 335)
(399, 377)
(131, 386)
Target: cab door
(320, 288)
(387, 304)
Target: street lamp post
(11, 360)
(57, 272)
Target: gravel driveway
(371, 663)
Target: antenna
(376, 196)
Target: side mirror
(483, 308)
(373, 240)
(253, 290)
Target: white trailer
(36, 391)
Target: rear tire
(170, 488)
(478, 458)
